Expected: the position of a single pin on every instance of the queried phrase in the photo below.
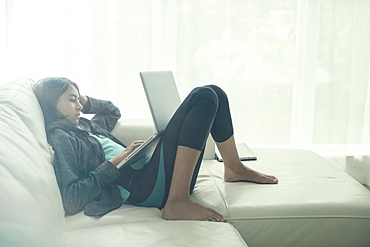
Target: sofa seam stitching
(301, 218)
(220, 193)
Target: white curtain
(296, 71)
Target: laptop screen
(162, 95)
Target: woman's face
(69, 105)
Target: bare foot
(189, 210)
(244, 173)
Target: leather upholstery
(314, 204)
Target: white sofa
(314, 204)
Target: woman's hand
(122, 155)
(132, 147)
(83, 100)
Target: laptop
(245, 153)
(163, 99)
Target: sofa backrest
(31, 211)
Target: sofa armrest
(129, 130)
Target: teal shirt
(111, 149)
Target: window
(297, 72)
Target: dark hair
(48, 91)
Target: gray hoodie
(86, 180)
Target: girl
(86, 153)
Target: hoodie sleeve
(78, 191)
(106, 113)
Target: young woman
(86, 153)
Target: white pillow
(31, 211)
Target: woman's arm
(106, 113)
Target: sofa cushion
(126, 214)
(142, 226)
(31, 210)
(314, 204)
(159, 233)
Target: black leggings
(205, 110)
